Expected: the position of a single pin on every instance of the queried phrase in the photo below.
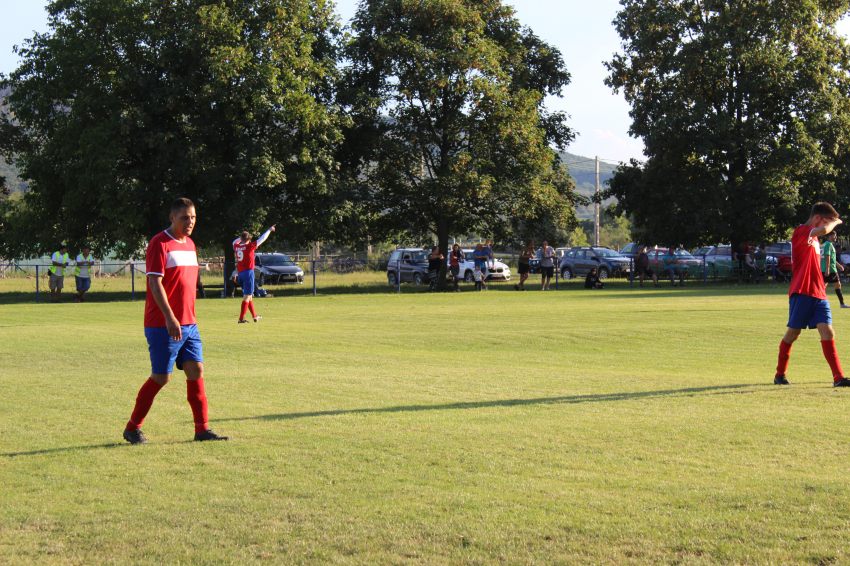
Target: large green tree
(744, 108)
(126, 104)
(450, 131)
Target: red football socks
(144, 400)
(831, 356)
(784, 356)
(197, 397)
(244, 310)
(251, 306)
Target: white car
(496, 270)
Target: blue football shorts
(165, 351)
(807, 312)
(246, 279)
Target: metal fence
(216, 278)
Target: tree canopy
(744, 108)
(447, 99)
(124, 106)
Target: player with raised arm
(245, 249)
(807, 304)
(171, 266)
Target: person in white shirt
(82, 274)
(547, 265)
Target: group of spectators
(60, 267)
(482, 256)
(670, 262)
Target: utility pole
(596, 213)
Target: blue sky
(580, 29)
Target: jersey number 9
(240, 255)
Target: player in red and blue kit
(808, 305)
(171, 266)
(245, 249)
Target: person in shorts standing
(642, 266)
(435, 261)
(82, 274)
(547, 265)
(829, 267)
(244, 249)
(171, 266)
(56, 278)
(808, 306)
(525, 264)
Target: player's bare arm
(829, 226)
(158, 293)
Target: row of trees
(427, 116)
(744, 109)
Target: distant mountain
(583, 171)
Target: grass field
(571, 427)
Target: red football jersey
(805, 254)
(177, 263)
(244, 255)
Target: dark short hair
(180, 204)
(824, 209)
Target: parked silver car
(276, 269)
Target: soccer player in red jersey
(171, 266)
(244, 249)
(808, 305)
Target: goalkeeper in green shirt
(830, 268)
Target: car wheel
(603, 274)
(417, 279)
(391, 279)
(262, 279)
(566, 273)
(469, 277)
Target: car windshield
(276, 260)
(418, 256)
(602, 252)
(683, 254)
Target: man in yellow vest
(57, 272)
(82, 274)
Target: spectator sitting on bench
(592, 280)
(671, 265)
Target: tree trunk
(443, 243)
(229, 258)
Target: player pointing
(244, 249)
(808, 305)
(171, 266)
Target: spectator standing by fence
(479, 257)
(56, 277)
(829, 267)
(82, 274)
(244, 249)
(671, 265)
(745, 260)
(435, 261)
(547, 265)
(454, 265)
(642, 266)
(525, 265)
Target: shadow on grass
(70, 448)
(574, 399)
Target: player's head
(822, 213)
(245, 237)
(831, 236)
(182, 216)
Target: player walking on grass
(808, 305)
(245, 249)
(829, 266)
(171, 266)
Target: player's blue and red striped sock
(144, 400)
(197, 397)
(831, 355)
(244, 310)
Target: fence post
(632, 272)
(314, 277)
(398, 274)
(224, 274)
(704, 278)
(133, 281)
(557, 270)
(36, 284)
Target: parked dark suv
(410, 263)
(577, 262)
